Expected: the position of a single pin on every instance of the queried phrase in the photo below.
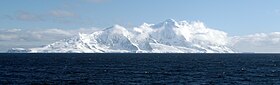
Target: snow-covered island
(168, 36)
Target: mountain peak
(168, 23)
(115, 28)
(169, 20)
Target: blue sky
(253, 24)
(236, 17)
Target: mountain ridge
(168, 36)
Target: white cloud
(5, 37)
(13, 30)
(26, 16)
(56, 16)
(12, 38)
(260, 42)
(62, 13)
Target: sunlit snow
(168, 36)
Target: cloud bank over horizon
(258, 42)
(20, 38)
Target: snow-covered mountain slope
(168, 36)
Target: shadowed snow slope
(168, 36)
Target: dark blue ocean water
(190, 69)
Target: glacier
(169, 36)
